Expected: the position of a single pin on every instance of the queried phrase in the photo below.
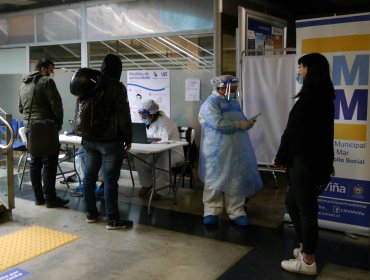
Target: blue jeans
(109, 155)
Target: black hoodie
(113, 95)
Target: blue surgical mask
(146, 121)
(299, 79)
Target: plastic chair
(190, 153)
(15, 127)
(17, 144)
(20, 147)
(22, 134)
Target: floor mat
(28, 243)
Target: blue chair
(20, 124)
(15, 127)
(18, 144)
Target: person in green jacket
(47, 105)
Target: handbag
(42, 135)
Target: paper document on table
(165, 142)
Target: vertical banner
(345, 41)
(148, 84)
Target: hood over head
(112, 66)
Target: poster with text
(345, 42)
(148, 84)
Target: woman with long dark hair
(306, 151)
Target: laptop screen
(139, 134)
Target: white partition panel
(13, 61)
(268, 84)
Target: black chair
(190, 154)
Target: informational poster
(262, 37)
(192, 90)
(148, 84)
(345, 42)
(277, 37)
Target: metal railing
(6, 152)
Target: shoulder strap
(34, 81)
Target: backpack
(91, 118)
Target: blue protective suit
(227, 160)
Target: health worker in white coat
(227, 164)
(158, 126)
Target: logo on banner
(358, 192)
(351, 101)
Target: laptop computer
(139, 134)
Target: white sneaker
(299, 266)
(297, 253)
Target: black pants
(43, 176)
(301, 203)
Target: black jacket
(309, 136)
(114, 99)
(112, 95)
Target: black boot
(56, 202)
(39, 197)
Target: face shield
(232, 91)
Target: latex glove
(246, 124)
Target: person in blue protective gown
(227, 163)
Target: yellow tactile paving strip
(28, 243)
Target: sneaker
(299, 266)
(99, 191)
(118, 224)
(210, 220)
(92, 218)
(56, 202)
(70, 179)
(79, 188)
(241, 221)
(297, 253)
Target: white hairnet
(223, 81)
(149, 107)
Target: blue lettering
(360, 66)
(359, 101)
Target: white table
(155, 149)
(75, 141)
(70, 140)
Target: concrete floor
(172, 243)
